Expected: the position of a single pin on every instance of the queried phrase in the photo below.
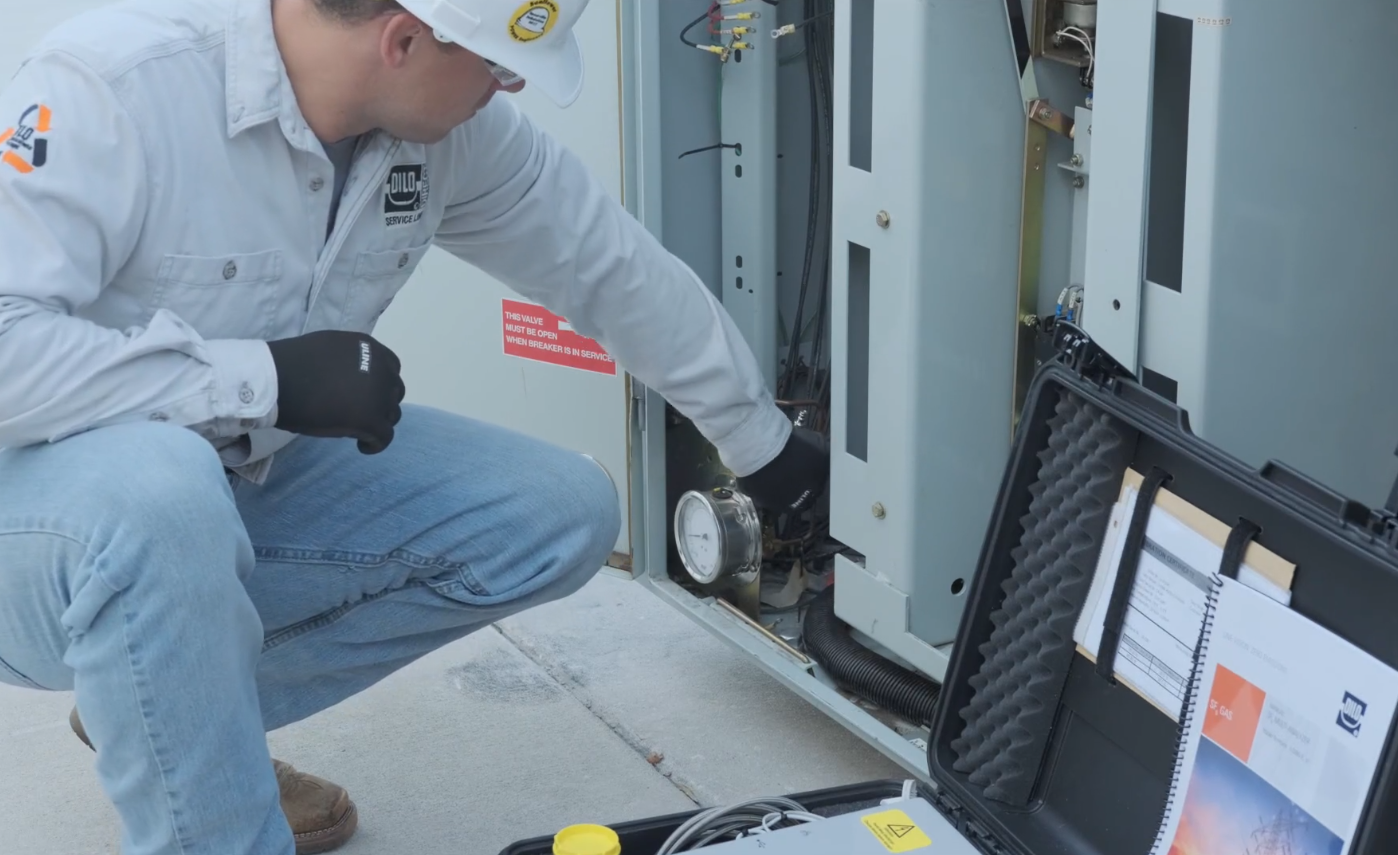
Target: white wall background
(446, 322)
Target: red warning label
(533, 332)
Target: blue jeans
(191, 611)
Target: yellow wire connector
(784, 31)
(743, 16)
(741, 46)
(736, 31)
(718, 50)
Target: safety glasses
(500, 72)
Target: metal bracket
(1031, 231)
(1043, 113)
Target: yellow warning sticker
(533, 20)
(897, 831)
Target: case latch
(1077, 350)
(1384, 525)
(977, 835)
(947, 807)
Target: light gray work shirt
(163, 214)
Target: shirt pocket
(223, 296)
(377, 278)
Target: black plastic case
(1089, 761)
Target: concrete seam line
(692, 790)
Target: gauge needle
(700, 536)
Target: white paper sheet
(1167, 603)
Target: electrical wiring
(823, 54)
(788, 29)
(1081, 37)
(745, 819)
(815, 262)
(707, 16)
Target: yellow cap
(586, 840)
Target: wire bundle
(1082, 37)
(819, 51)
(723, 824)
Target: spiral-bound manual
(1281, 736)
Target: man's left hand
(795, 478)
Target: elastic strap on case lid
(1126, 574)
(1237, 544)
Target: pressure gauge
(718, 534)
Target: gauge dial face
(697, 533)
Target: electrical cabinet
(990, 168)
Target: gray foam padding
(1026, 661)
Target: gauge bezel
(739, 534)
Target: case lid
(1034, 752)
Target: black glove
(795, 478)
(338, 384)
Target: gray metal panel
(748, 105)
(1121, 149)
(643, 171)
(688, 112)
(1082, 147)
(1288, 287)
(1059, 84)
(942, 298)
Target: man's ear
(402, 35)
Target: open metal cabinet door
(456, 328)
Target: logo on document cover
(405, 195)
(25, 147)
(1351, 716)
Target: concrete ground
(606, 707)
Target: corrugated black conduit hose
(862, 671)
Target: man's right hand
(338, 384)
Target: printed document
(1283, 738)
(1178, 563)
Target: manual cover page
(1283, 739)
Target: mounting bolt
(1045, 113)
(1029, 320)
(1079, 182)
(883, 219)
(1075, 160)
(879, 512)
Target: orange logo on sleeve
(26, 145)
(1235, 710)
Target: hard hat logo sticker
(533, 20)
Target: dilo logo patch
(25, 146)
(1351, 715)
(405, 195)
(533, 20)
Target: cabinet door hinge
(638, 405)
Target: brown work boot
(320, 814)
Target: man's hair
(356, 11)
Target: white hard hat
(531, 40)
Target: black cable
(857, 668)
(822, 48)
(738, 147)
(684, 34)
(812, 19)
(812, 221)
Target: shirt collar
(258, 89)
